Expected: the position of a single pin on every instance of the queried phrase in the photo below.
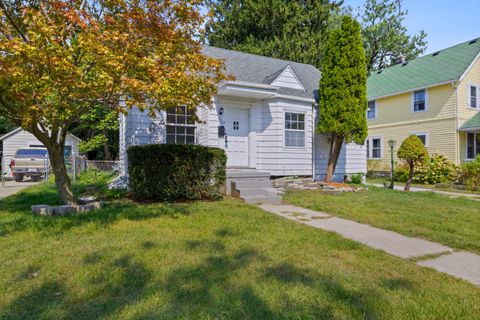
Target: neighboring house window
(372, 110)
(473, 103)
(374, 148)
(423, 136)
(294, 129)
(473, 145)
(180, 126)
(420, 101)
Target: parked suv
(29, 163)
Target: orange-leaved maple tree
(60, 59)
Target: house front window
(294, 130)
(473, 145)
(180, 125)
(372, 110)
(419, 101)
(473, 102)
(423, 136)
(374, 148)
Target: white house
(21, 139)
(264, 119)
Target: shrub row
(434, 169)
(437, 169)
(173, 172)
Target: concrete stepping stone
(464, 265)
(291, 211)
(388, 241)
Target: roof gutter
(267, 87)
(284, 96)
(248, 85)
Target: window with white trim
(372, 110)
(294, 129)
(473, 97)
(180, 125)
(374, 148)
(473, 145)
(423, 136)
(420, 101)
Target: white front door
(236, 132)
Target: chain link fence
(36, 166)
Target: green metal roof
(472, 124)
(443, 66)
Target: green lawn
(453, 222)
(208, 260)
(425, 186)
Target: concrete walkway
(12, 187)
(460, 264)
(452, 194)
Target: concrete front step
(263, 199)
(246, 176)
(246, 193)
(251, 184)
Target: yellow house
(436, 97)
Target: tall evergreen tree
(285, 29)
(342, 96)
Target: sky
(446, 22)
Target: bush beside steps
(176, 172)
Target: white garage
(21, 139)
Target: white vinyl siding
(288, 79)
(351, 161)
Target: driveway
(12, 187)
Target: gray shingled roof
(263, 70)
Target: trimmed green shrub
(470, 174)
(173, 172)
(357, 178)
(412, 151)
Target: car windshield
(31, 153)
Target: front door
(236, 133)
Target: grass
(204, 260)
(419, 185)
(452, 222)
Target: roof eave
(11, 133)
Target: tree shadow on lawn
(210, 289)
(207, 289)
(53, 300)
(20, 217)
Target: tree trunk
(106, 151)
(62, 180)
(410, 176)
(335, 148)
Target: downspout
(457, 125)
(313, 141)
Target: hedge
(175, 172)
